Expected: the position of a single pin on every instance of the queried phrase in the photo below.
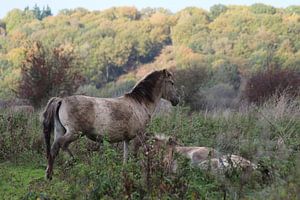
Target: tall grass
(268, 135)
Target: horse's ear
(166, 73)
(172, 141)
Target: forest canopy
(106, 44)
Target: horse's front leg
(125, 151)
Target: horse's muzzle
(175, 101)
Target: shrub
(217, 10)
(219, 96)
(19, 135)
(259, 8)
(227, 72)
(189, 81)
(262, 85)
(45, 73)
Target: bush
(263, 85)
(227, 72)
(216, 10)
(189, 81)
(259, 8)
(19, 135)
(219, 96)
(45, 73)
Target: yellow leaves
(263, 37)
(158, 18)
(286, 48)
(65, 50)
(222, 45)
(128, 12)
(17, 36)
(292, 61)
(190, 22)
(16, 56)
(293, 18)
(10, 81)
(218, 63)
(200, 13)
(16, 18)
(186, 58)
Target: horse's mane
(143, 90)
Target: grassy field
(267, 135)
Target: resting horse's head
(168, 89)
(163, 140)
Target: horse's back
(114, 117)
(197, 154)
(77, 113)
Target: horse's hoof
(48, 175)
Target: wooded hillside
(227, 41)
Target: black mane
(143, 90)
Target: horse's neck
(186, 151)
(152, 106)
(149, 107)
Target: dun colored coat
(119, 119)
(202, 157)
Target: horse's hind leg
(69, 152)
(61, 141)
(59, 131)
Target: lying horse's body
(209, 158)
(227, 162)
(202, 157)
(197, 154)
(119, 119)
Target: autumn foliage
(46, 73)
(262, 85)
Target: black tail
(48, 121)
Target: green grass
(268, 136)
(16, 179)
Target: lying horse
(120, 119)
(168, 146)
(202, 157)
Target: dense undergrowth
(267, 135)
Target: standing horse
(120, 119)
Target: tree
(216, 10)
(259, 8)
(293, 9)
(191, 21)
(43, 76)
(16, 18)
(38, 13)
(46, 12)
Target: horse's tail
(50, 112)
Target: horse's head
(166, 145)
(163, 140)
(168, 89)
